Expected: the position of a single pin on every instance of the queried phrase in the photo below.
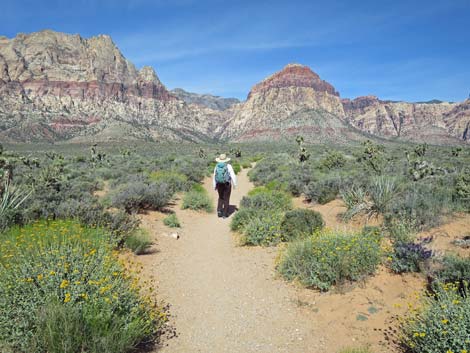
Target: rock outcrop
(204, 100)
(269, 111)
(55, 86)
(421, 122)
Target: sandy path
(224, 298)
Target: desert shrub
(197, 199)
(440, 324)
(241, 218)
(172, 221)
(300, 223)
(264, 230)
(263, 198)
(236, 166)
(408, 257)
(297, 178)
(422, 204)
(323, 191)
(453, 269)
(400, 231)
(176, 182)
(139, 242)
(333, 159)
(246, 165)
(138, 195)
(462, 188)
(194, 169)
(372, 201)
(63, 262)
(327, 258)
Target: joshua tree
(303, 154)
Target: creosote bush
(299, 223)
(327, 258)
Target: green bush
(440, 324)
(327, 258)
(265, 199)
(139, 242)
(334, 159)
(176, 181)
(172, 221)
(197, 199)
(242, 217)
(63, 262)
(453, 269)
(300, 223)
(263, 230)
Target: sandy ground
(227, 298)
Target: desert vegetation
(67, 215)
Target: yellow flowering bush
(330, 257)
(61, 268)
(441, 323)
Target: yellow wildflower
(67, 298)
(64, 284)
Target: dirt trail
(224, 298)
(227, 298)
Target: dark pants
(223, 203)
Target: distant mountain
(204, 100)
(296, 101)
(292, 101)
(61, 87)
(55, 86)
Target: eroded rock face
(204, 100)
(57, 86)
(410, 121)
(293, 75)
(271, 104)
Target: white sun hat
(222, 158)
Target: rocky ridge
(56, 86)
(204, 100)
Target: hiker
(224, 177)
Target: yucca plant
(11, 198)
(372, 202)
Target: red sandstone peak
(294, 75)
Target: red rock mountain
(55, 86)
(268, 112)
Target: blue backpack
(221, 173)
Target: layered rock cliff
(204, 100)
(432, 122)
(269, 111)
(56, 86)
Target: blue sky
(399, 50)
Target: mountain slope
(271, 104)
(55, 86)
(204, 100)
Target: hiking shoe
(219, 214)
